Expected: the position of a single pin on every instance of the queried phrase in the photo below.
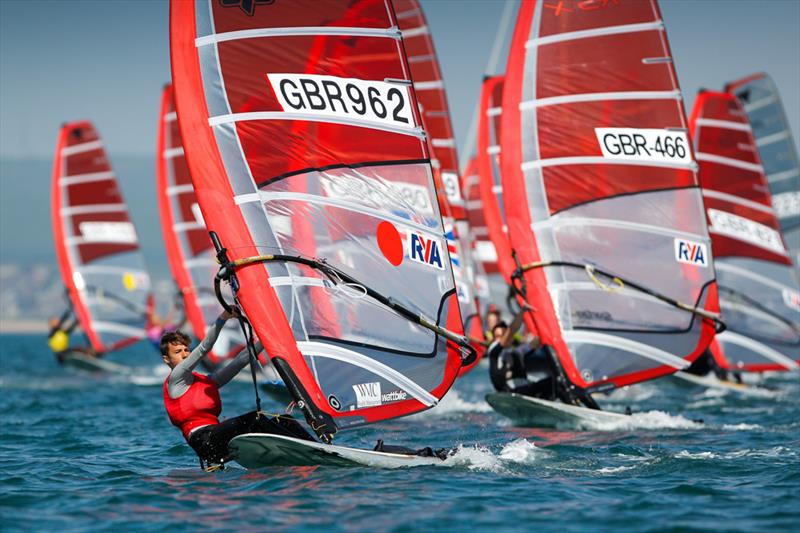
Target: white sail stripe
(749, 242)
(91, 269)
(171, 153)
(738, 200)
(443, 143)
(479, 231)
(628, 345)
(198, 262)
(256, 33)
(172, 116)
(757, 347)
(266, 196)
(187, 226)
(600, 160)
(471, 181)
(285, 115)
(428, 85)
(473, 205)
(407, 14)
(724, 266)
(729, 161)
(114, 327)
(421, 58)
(556, 222)
(282, 281)
(758, 104)
(493, 150)
(415, 32)
(386, 372)
(74, 179)
(175, 190)
(595, 32)
(784, 175)
(92, 208)
(494, 111)
(724, 124)
(497, 189)
(596, 97)
(75, 241)
(80, 148)
(775, 137)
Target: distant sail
(491, 184)
(431, 95)
(189, 250)
(777, 149)
(596, 157)
(304, 142)
(758, 294)
(96, 243)
(484, 256)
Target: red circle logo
(390, 243)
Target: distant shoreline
(31, 325)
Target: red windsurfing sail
(491, 185)
(596, 157)
(96, 242)
(432, 98)
(484, 257)
(305, 147)
(758, 294)
(189, 250)
(777, 150)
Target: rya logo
(691, 253)
(426, 250)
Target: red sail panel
(758, 292)
(96, 242)
(590, 102)
(305, 111)
(432, 98)
(189, 250)
(483, 251)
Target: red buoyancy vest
(198, 406)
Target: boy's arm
(222, 376)
(181, 378)
(508, 336)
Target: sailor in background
(706, 364)
(193, 402)
(59, 332)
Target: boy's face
(176, 352)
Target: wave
(647, 420)
(477, 457)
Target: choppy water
(84, 452)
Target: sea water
(96, 452)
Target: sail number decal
(745, 230)
(108, 232)
(373, 102)
(655, 145)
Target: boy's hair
(173, 337)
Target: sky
(107, 61)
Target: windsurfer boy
(193, 402)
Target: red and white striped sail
(303, 138)
(432, 98)
(596, 158)
(189, 250)
(96, 242)
(761, 100)
(758, 294)
(491, 185)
